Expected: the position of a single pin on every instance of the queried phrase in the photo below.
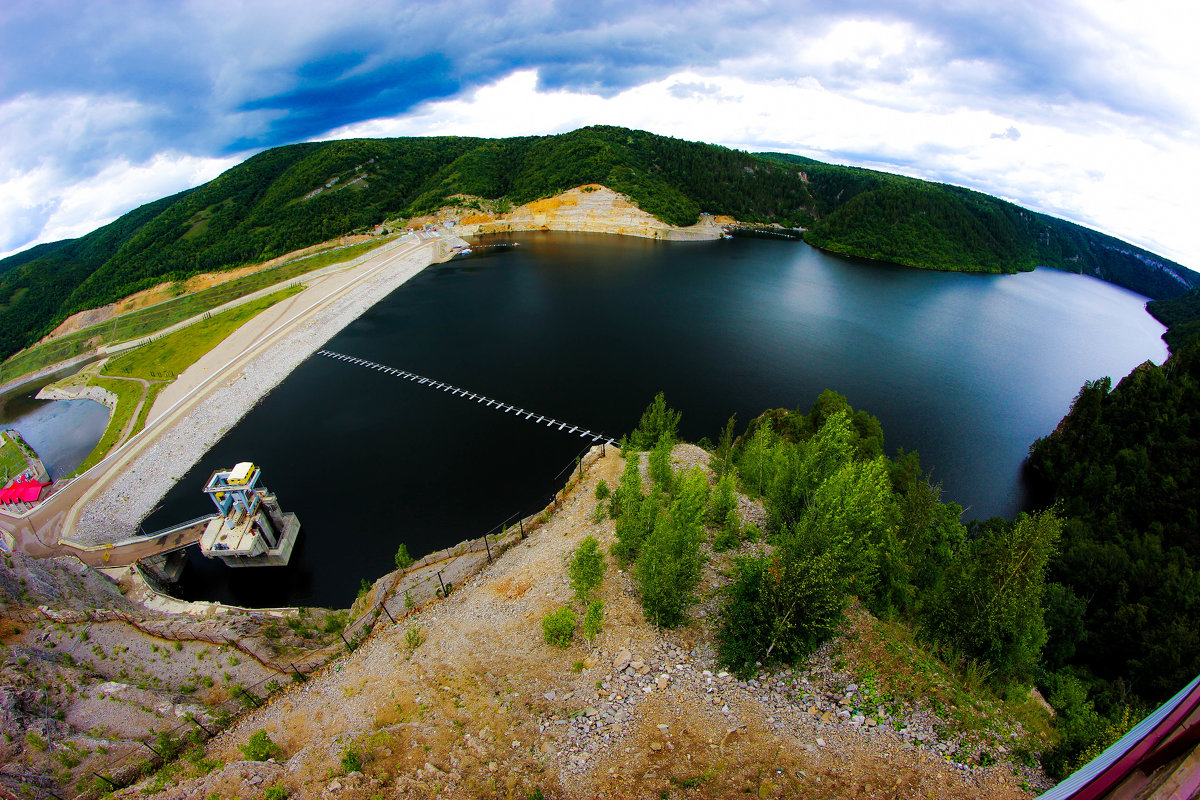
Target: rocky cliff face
(590, 209)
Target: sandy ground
(465, 699)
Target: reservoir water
(586, 328)
(62, 432)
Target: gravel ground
(131, 496)
(465, 699)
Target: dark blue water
(966, 369)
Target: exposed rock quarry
(590, 209)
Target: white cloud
(65, 210)
(1084, 108)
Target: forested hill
(1124, 466)
(294, 196)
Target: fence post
(107, 780)
(192, 718)
(383, 605)
(151, 749)
(489, 548)
(299, 675)
(522, 527)
(442, 583)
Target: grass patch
(166, 358)
(12, 459)
(152, 394)
(128, 395)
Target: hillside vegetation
(294, 196)
(1124, 466)
(1181, 315)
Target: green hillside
(294, 196)
(1124, 466)
(1181, 315)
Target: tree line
(298, 195)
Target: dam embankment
(217, 391)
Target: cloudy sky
(1086, 110)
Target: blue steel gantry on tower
(250, 530)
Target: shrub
(658, 423)
(587, 568)
(593, 619)
(558, 627)
(403, 559)
(635, 524)
(414, 637)
(726, 539)
(602, 490)
(724, 500)
(260, 747)
(628, 493)
(660, 464)
(275, 793)
(779, 608)
(668, 567)
(989, 605)
(351, 761)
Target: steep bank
(466, 700)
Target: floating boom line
(488, 402)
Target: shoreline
(119, 503)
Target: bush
(660, 464)
(637, 517)
(668, 566)
(403, 559)
(276, 793)
(587, 568)
(989, 605)
(779, 608)
(724, 500)
(658, 423)
(729, 536)
(558, 627)
(629, 490)
(602, 490)
(414, 637)
(351, 761)
(260, 747)
(593, 619)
